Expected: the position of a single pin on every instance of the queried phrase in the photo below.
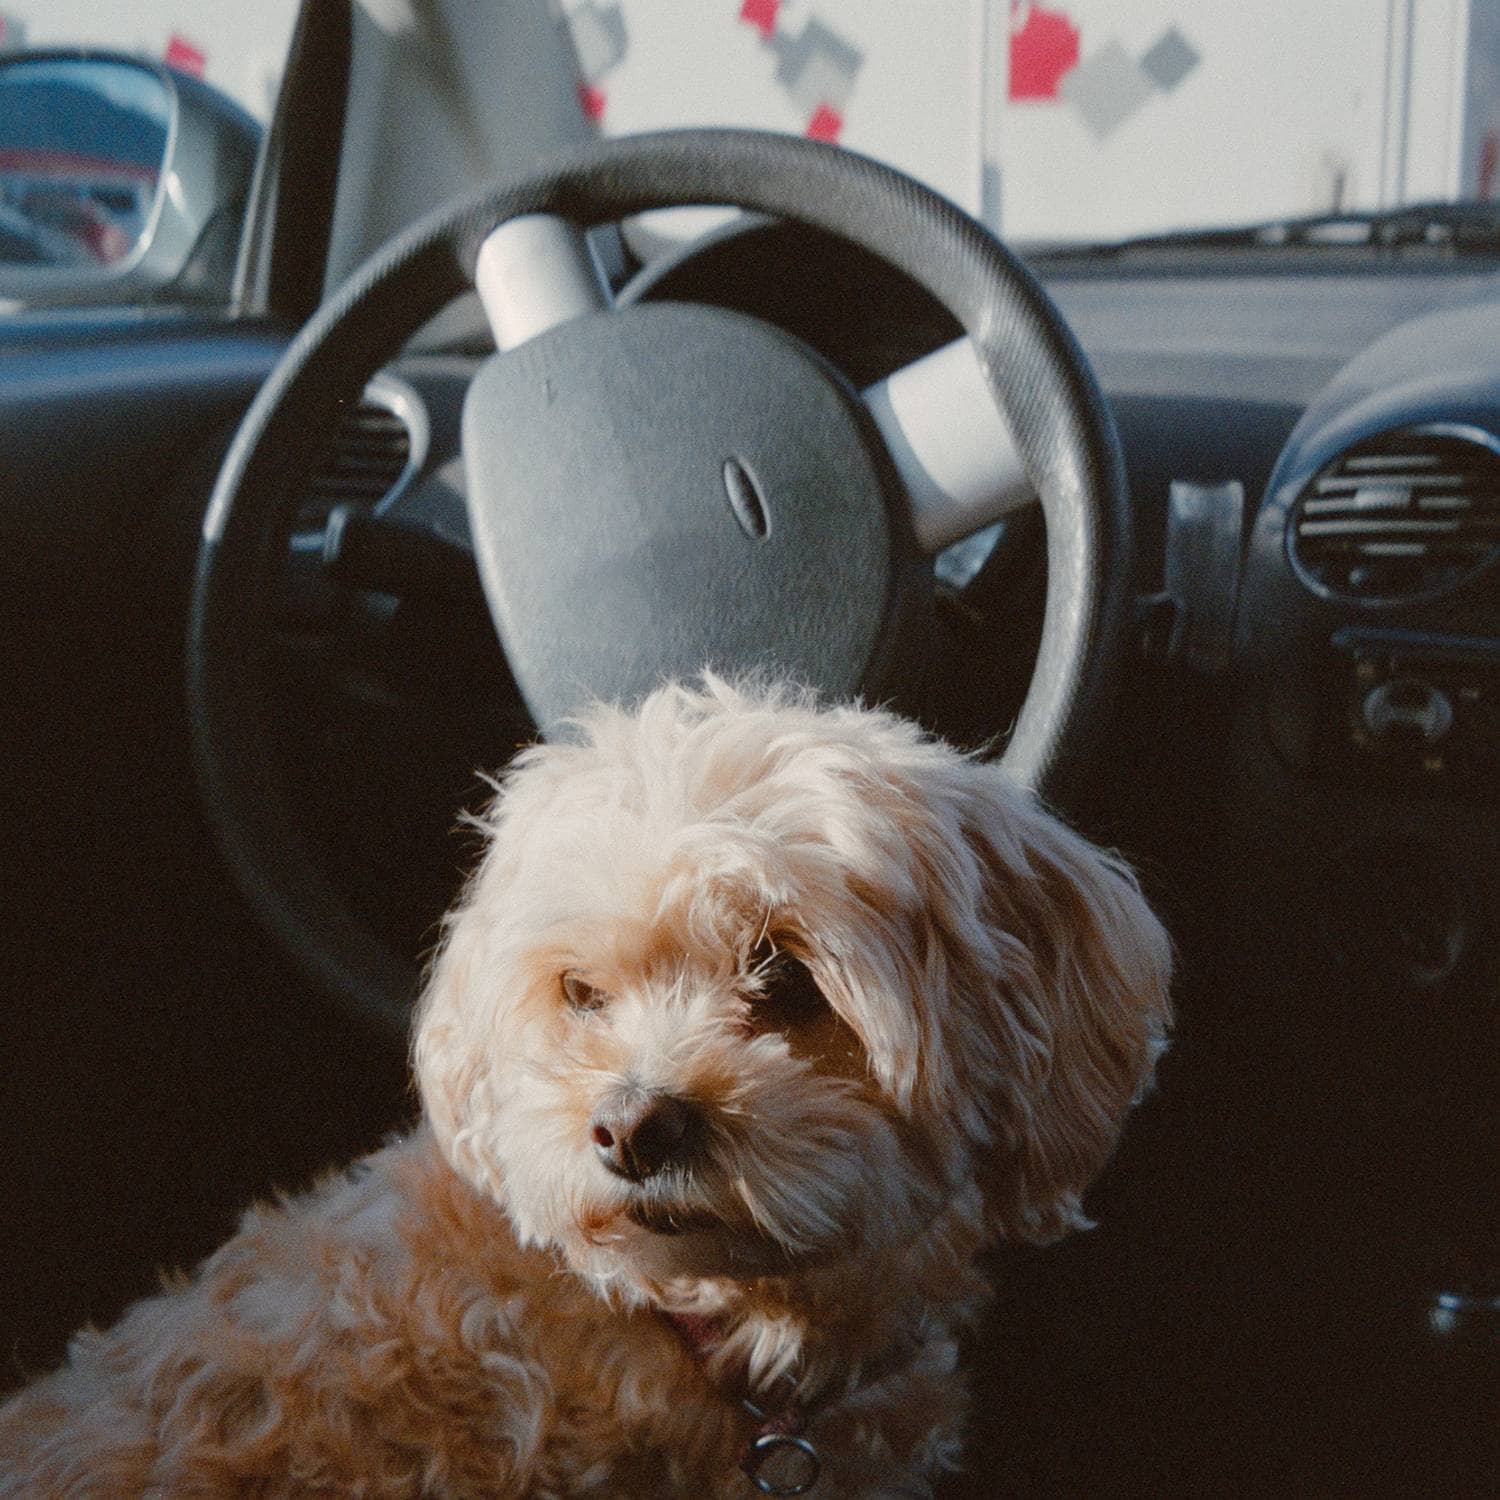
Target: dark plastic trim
(285, 253)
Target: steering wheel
(658, 488)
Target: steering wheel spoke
(534, 272)
(951, 445)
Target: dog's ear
(1057, 975)
(487, 975)
(472, 977)
(448, 1046)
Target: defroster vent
(1406, 514)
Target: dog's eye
(789, 995)
(579, 993)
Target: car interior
(236, 762)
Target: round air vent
(379, 445)
(1405, 514)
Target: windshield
(1082, 120)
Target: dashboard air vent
(1404, 514)
(370, 455)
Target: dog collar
(778, 1459)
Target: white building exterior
(1052, 119)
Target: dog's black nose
(639, 1133)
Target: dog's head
(744, 984)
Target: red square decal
(825, 124)
(185, 57)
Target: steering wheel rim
(1030, 360)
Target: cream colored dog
(758, 1021)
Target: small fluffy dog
(757, 1022)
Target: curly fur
(475, 1311)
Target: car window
(1080, 120)
(128, 137)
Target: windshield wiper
(1470, 228)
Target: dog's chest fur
(386, 1335)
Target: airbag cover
(669, 487)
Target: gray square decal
(1106, 89)
(599, 40)
(1170, 60)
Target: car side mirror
(121, 181)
